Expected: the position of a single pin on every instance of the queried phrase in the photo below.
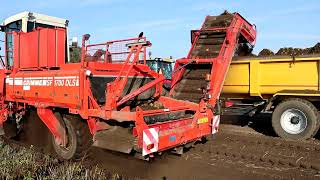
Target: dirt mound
(266, 52)
(290, 51)
(315, 49)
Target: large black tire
(79, 139)
(296, 119)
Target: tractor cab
(26, 22)
(162, 66)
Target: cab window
(12, 27)
(34, 25)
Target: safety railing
(114, 51)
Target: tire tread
(298, 102)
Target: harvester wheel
(296, 119)
(79, 139)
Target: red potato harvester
(110, 98)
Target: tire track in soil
(285, 159)
(236, 152)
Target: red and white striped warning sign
(215, 124)
(150, 141)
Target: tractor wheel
(295, 119)
(79, 139)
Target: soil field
(236, 152)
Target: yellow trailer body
(288, 87)
(265, 77)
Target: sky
(167, 23)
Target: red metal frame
(86, 105)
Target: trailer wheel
(295, 119)
(79, 139)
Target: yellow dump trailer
(289, 87)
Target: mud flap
(115, 139)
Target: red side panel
(29, 53)
(52, 47)
(29, 50)
(43, 39)
(16, 48)
(40, 48)
(60, 46)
